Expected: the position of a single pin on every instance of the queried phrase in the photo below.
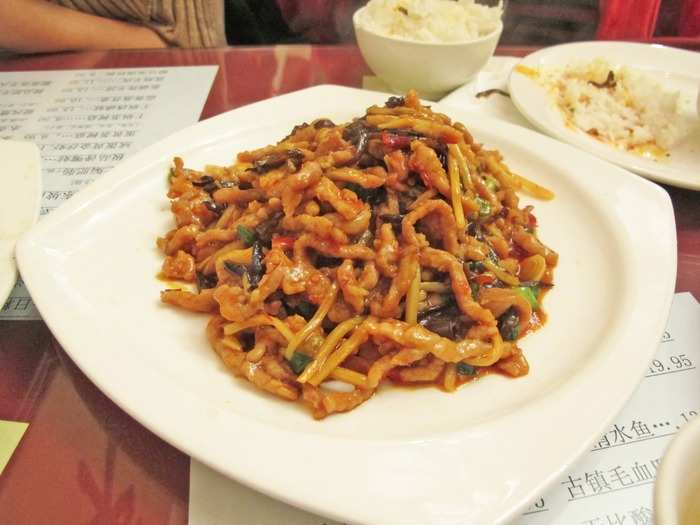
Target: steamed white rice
(439, 21)
(637, 114)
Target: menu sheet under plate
(86, 121)
(611, 485)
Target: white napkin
(217, 500)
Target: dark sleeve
(321, 21)
(256, 22)
(543, 22)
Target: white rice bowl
(436, 21)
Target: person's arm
(31, 26)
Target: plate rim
(151, 419)
(542, 125)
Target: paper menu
(611, 485)
(86, 121)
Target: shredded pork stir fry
(388, 249)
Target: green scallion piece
(246, 235)
(484, 207)
(476, 266)
(529, 293)
(306, 309)
(466, 369)
(510, 333)
(299, 361)
(491, 184)
(474, 289)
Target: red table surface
(83, 460)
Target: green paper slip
(11, 433)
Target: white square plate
(406, 456)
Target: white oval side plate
(420, 456)
(20, 197)
(676, 69)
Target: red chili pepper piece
(285, 242)
(394, 141)
(484, 278)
